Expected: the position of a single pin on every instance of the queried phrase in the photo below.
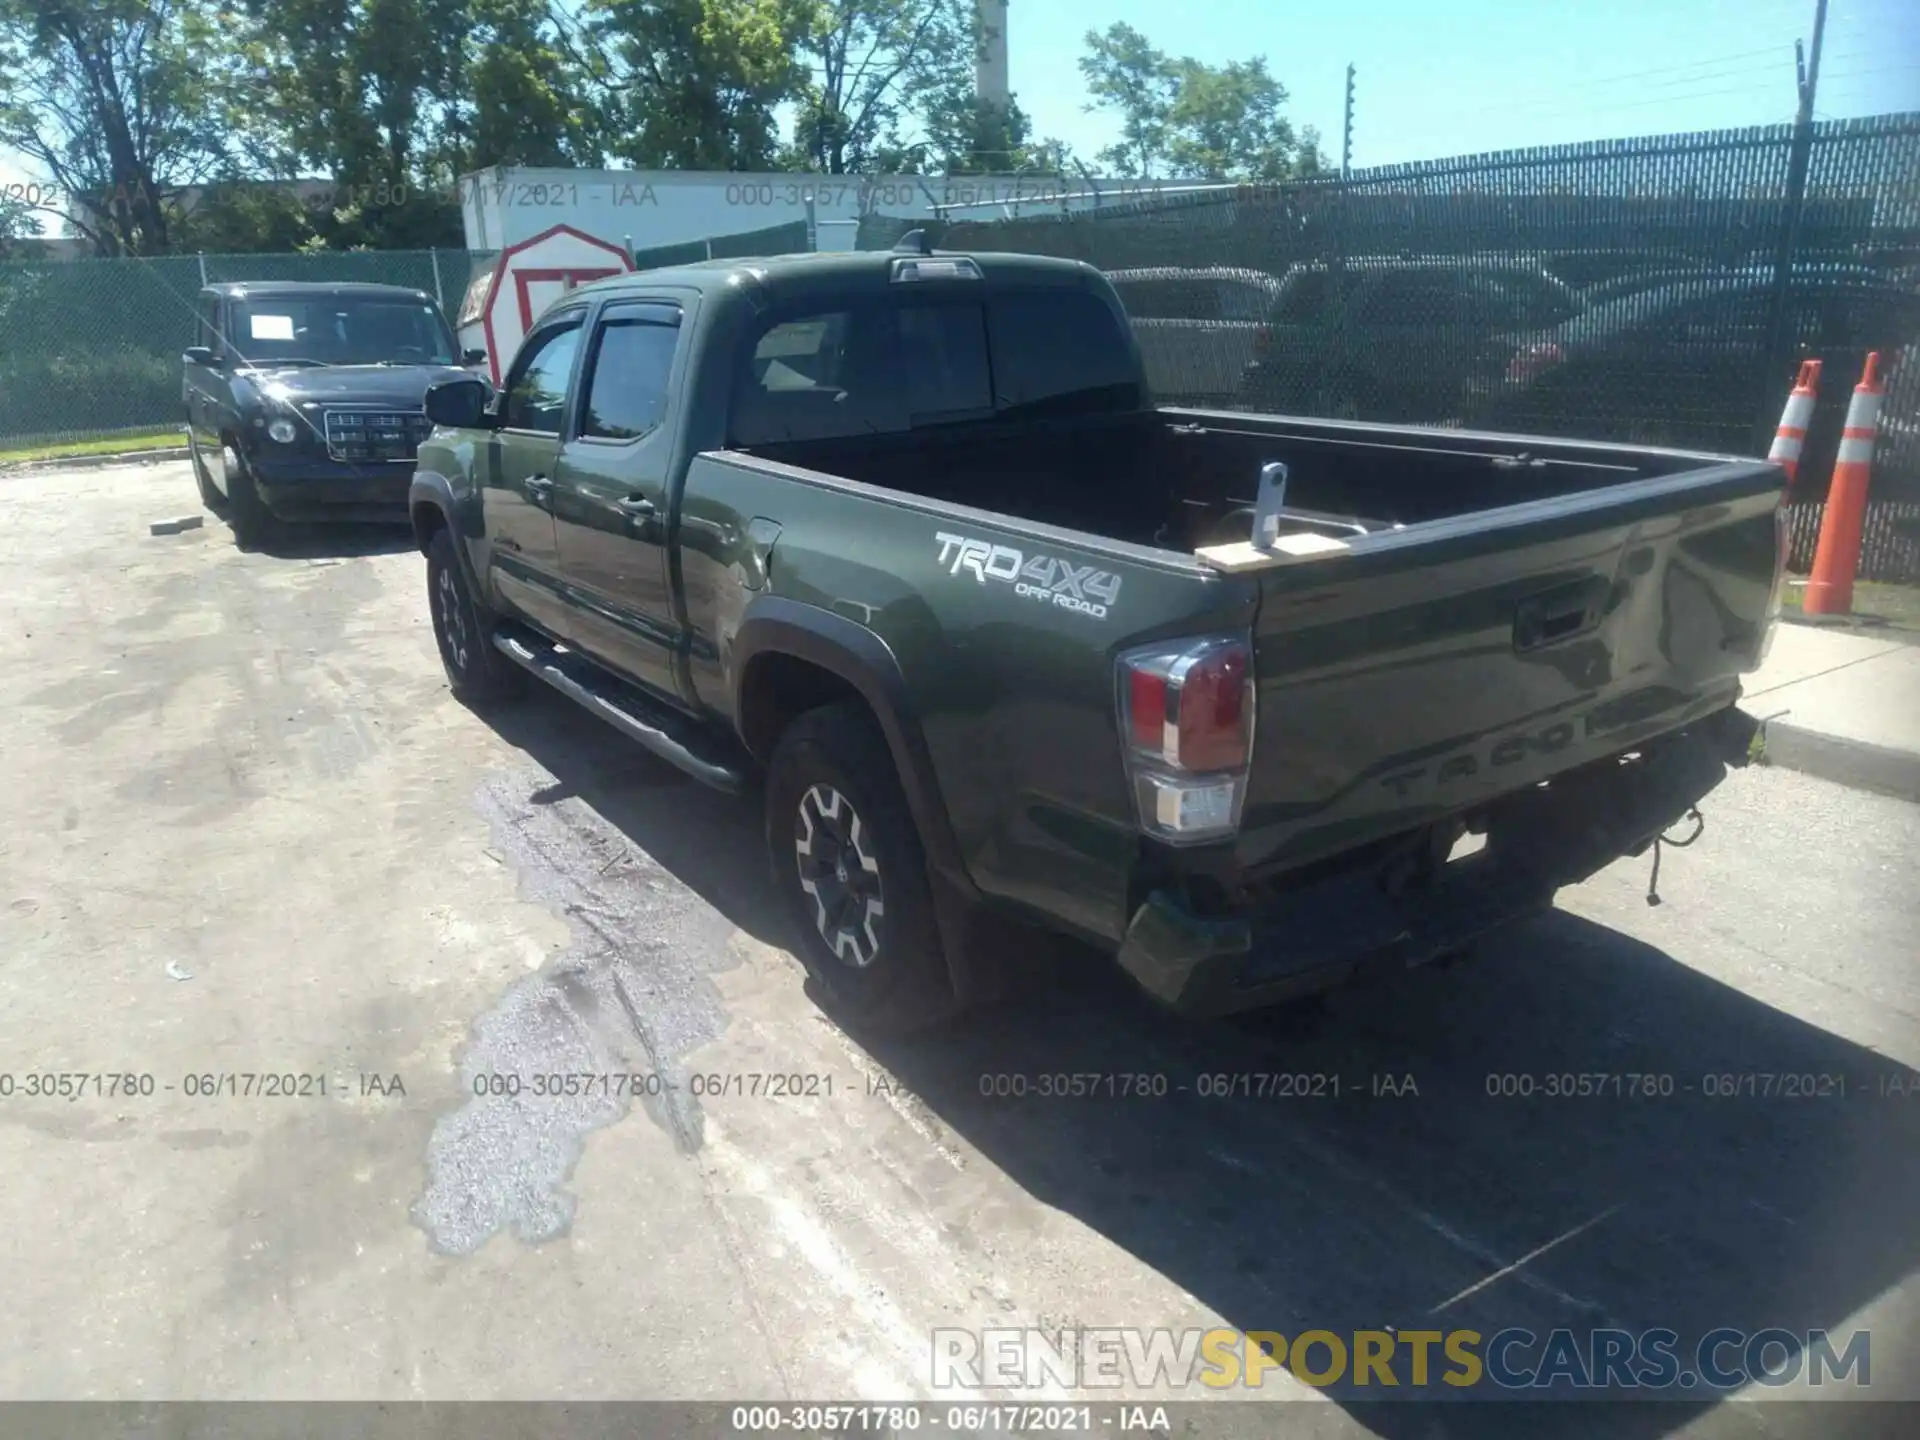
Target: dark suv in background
(1394, 338)
(1664, 364)
(304, 401)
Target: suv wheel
(849, 867)
(476, 672)
(253, 524)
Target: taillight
(1530, 360)
(1186, 710)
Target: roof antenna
(914, 242)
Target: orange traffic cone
(1792, 433)
(1837, 557)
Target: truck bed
(1517, 608)
(1184, 480)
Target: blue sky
(1469, 76)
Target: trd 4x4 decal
(1082, 588)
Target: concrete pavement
(1843, 706)
(250, 836)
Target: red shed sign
(531, 275)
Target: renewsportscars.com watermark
(1513, 1359)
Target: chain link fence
(774, 240)
(1652, 291)
(1655, 291)
(92, 347)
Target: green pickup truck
(1253, 703)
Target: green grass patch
(108, 445)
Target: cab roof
(786, 276)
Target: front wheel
(476, 672)
(850, 869)
(253, 524)
(210, 495)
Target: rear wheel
(850, 869)
(476, 672)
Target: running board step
(673, 739)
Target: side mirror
(473, 357)
(201, 355)
(463, 404)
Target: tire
(849, 866)
(477, 673)
(253, 524)
(210, 495)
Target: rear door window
(1514, 300)
(1240, 300)
(1410, 297)
(1175, 298)
(1305, 299)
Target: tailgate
(1426, 671)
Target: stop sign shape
(533, 274)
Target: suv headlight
(282, 430)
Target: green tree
(1184, 117)
(362, 92)
(110, 99)
(534, 95)
(1126, 73)
(880, 77)
(693, 84)
(242, 215)
(366, 95)
(16, 223)
(970, 136)
(1225, 122)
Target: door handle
(539, 489)
(1558, 614)
(637, 506)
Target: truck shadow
(1441, 1206)
(1393, 1183)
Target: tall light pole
(1346, 129)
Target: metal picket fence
(1656, 291)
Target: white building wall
(505, 205)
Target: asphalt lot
(250, 832)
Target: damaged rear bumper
(1320, 935)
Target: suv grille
(375, 434)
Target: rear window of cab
(884, 365)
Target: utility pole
(1799, 157)
(1346, 129)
